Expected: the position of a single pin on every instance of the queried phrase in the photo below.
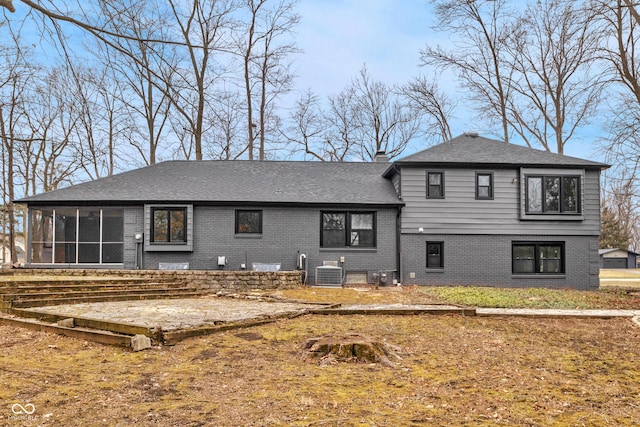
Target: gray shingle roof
(468, 149)
(241, 182)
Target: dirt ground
(462, 371)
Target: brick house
(470, 211)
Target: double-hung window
(552, 194)
(435, 185)
(484, 185)
(538, 258)
(169, 225)
(435, 257)
(348, 229)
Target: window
(351, 229)
(538, 258)
(548, 194)
(484, 185)
(169, 225)
(435, 258)
(435, 185)
(77, 236)
(248, 222)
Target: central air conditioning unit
(329, 274)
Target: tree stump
(349, 348)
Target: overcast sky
(339, 36)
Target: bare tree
(364, 118)
(620, 22)
(266, 52)
(228, 126)
(103, 120)
(204, 30)
(436, 106)
(620, 218)
(482, 28)
(553, 49)
(52, 159)
(144, 68)
(15, 76)
(380, 118)
(309, 132)
(8, 4)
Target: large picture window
(538, 258)
(348, 229)
(77, 236)
(169, 225)
(550, 194)
(248, 222)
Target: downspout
(399, 228)
(398, 248)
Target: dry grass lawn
(630, 273)
(461, 371)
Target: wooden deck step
(43, 281)
(49, 288)
(105, 298)
(100, 336)
(92, 293)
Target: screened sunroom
(70, 235)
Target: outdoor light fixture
(139, 237)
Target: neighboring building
(617, 258)
(470, 211)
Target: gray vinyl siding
(460, 213)
(486, 260)
(133, 224)
(396, 180)
(286, 233)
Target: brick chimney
(381, 157)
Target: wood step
(92, 293)
(105, 298)
(78, 280)
(106, 325)
(100, 336)
(29, 289)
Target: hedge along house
(470, 211)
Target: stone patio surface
(181, 314)
(175, 314)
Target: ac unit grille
(328, 276)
